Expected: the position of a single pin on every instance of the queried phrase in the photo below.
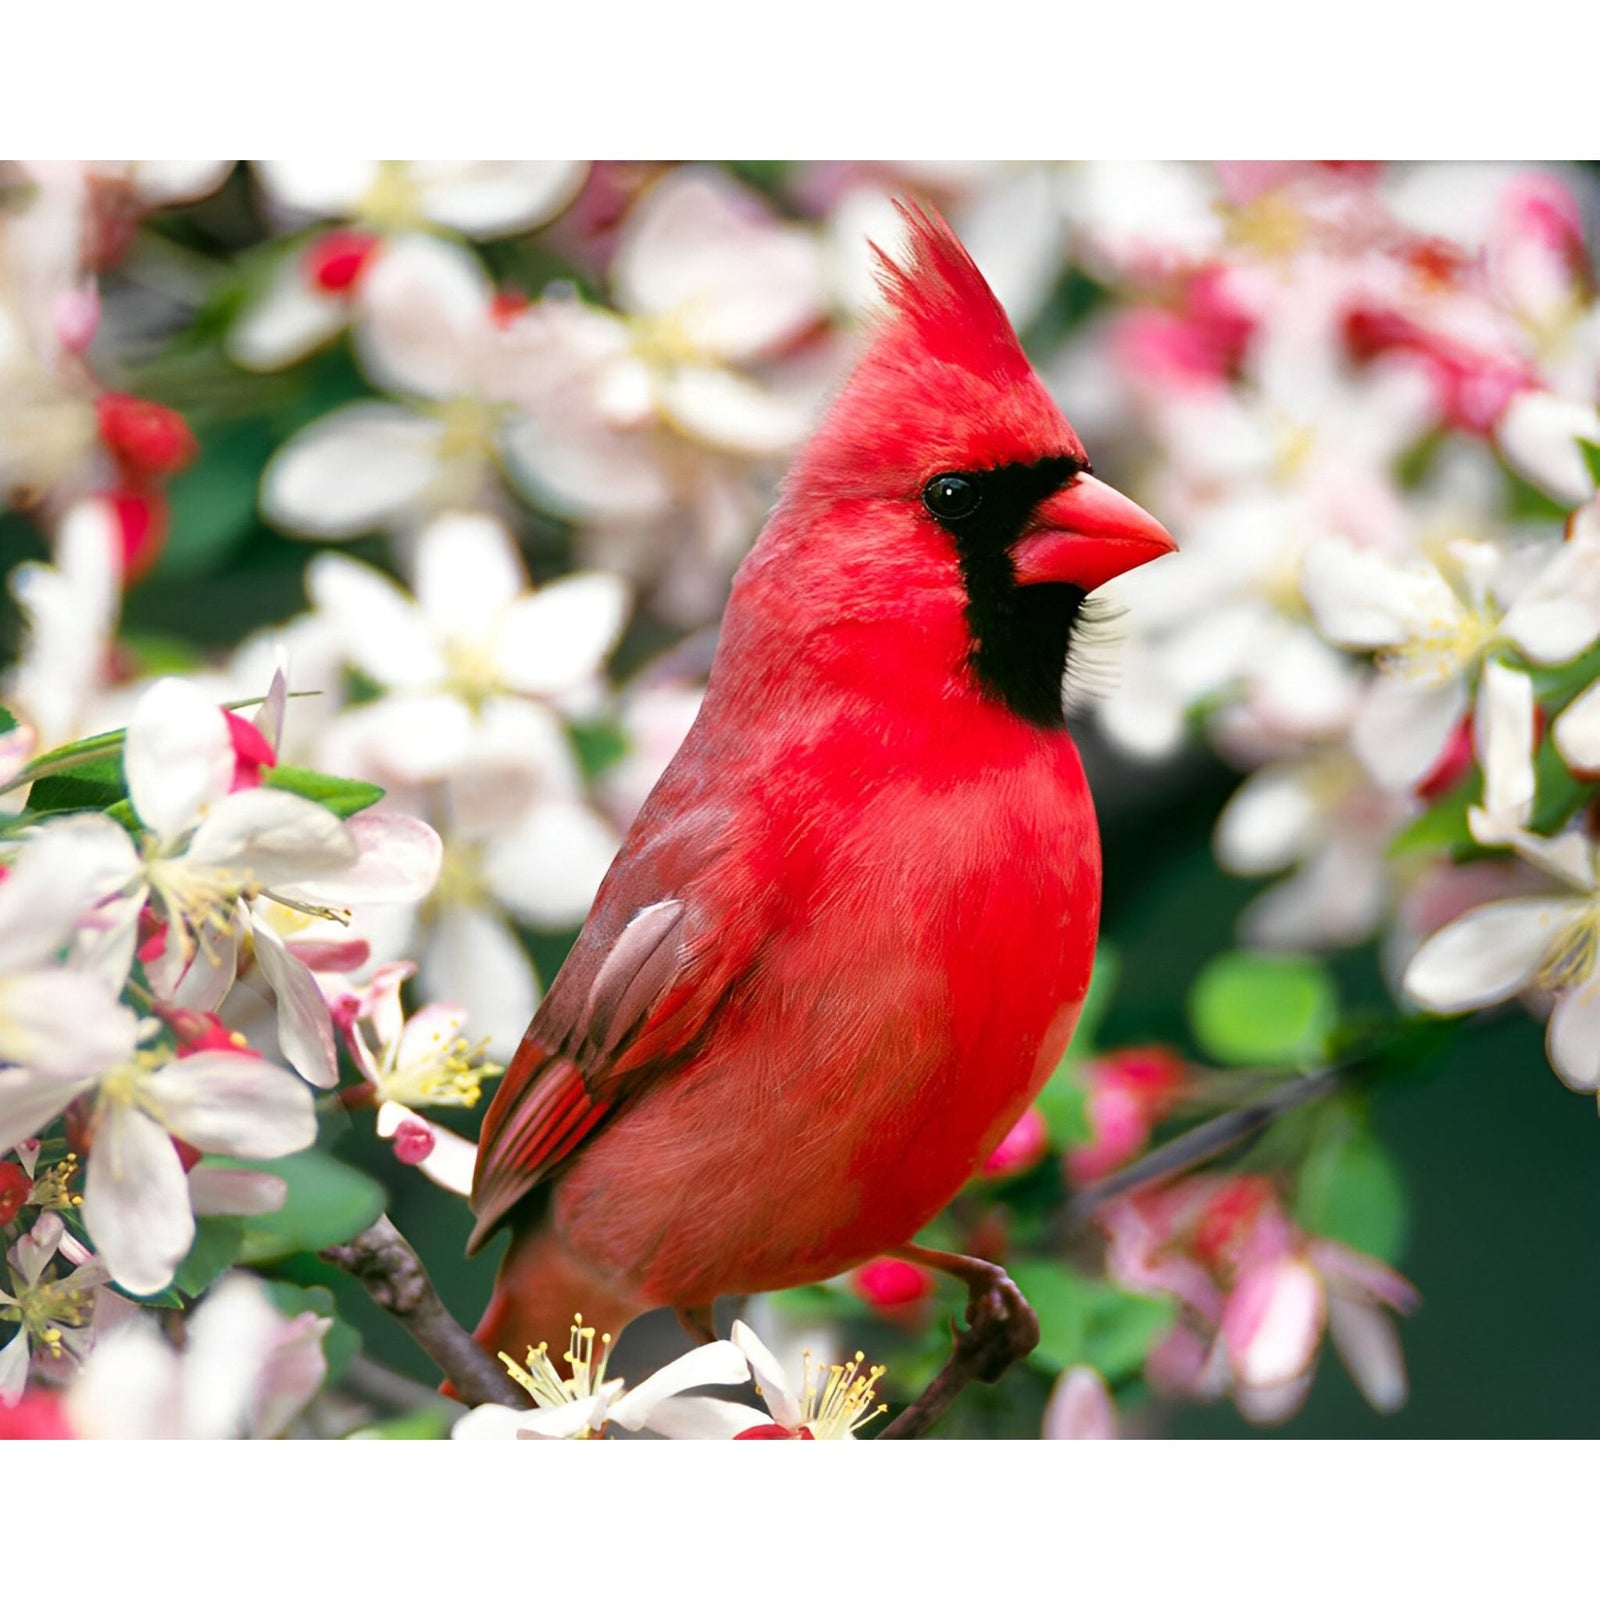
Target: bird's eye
(951, 497)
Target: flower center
(1444, 648)
(446, 1071)
(542, 1379)
(195, 899)
(394, 201)
(1570, 960)
(837, 1400)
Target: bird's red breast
(851, 929)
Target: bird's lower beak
(1086, 534)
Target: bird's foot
(1001, 1326)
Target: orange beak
(1086, 534)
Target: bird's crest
(939, 298)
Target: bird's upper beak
(1086, 534)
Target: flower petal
(485, 199)
(1365, 600)
(1080, 1407)
(474, 958)
(548, 869)
(1503, 737)
(489, 1422)
(274, 836)
(467, 571)
(1573, 1039)
(702, 1416)
(363, 466)
(719, 1362)
(1576, 731)
(382, 629)
(227, 1103)
(64, 1025)
(235, 1191)
(1558, 615)
(287, 322)
(136, 1201)
(61, 872)
(30, 1099)
(1488, 955)
(553, 640)
(178, 758)
(1402, 728)
(397, 861)
(1368, 1345)
(305, 1030)
(1273, 1321)
(768, 1377)
(425, 310)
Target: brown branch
(388, 1269)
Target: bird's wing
(631, 1002)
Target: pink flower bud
(888, 1284)
(413, 1142)
(1022, 1148)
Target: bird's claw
(1002, 1328)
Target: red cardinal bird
(850, 932)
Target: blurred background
(475, 449)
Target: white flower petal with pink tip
(551, 641)
(305, 1030)
(272, 836)
(1273, 1322)
(136, 1200)
(235, 1191)
(731, 413)
(228, 1103)
(362, 466)
(1489, 954)
(396, 862)
(1080, 1407)
(178, 757)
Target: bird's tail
(540, 1289)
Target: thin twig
(388, 1269)
(1199, 1145)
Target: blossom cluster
(462, 457)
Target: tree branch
(388, 1269)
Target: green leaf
(1591, 459)
(1443, 826)
(341, 1342)
(217, 1243)
(1558, 794)
(1083, 1320)
(327, 1203)
(7, 720)
(1251, 1010)
(419, 1424)
(1064, 1105)
(600, 744)
(342, 796)
(92, 785)
(67, 757)
(1350, 1190)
